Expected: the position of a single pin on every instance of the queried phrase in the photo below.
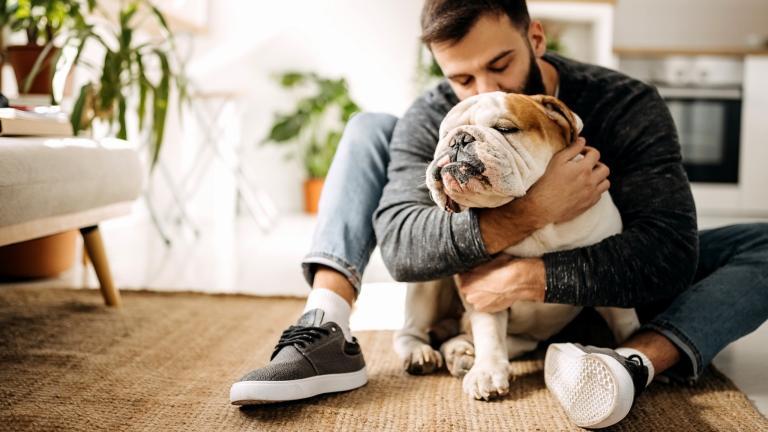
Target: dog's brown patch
(545, 116)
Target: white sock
(335, 308)
(626, 352)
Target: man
(375, 191)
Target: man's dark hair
(451, 20)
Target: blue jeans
(344, 237)
(728, 299)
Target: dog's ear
(564, 117)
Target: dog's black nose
(461, 139)
(460, 143)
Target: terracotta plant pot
(39, 258)
(312, 189)
(22, 58)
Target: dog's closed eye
(507, 129)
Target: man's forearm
(508, 225)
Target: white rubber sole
(594, 389)
(261, 392)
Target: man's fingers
(600, 172)
(574, 149)
(591, 156)
(603, 186)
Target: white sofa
(52, 185)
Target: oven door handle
(699, 93)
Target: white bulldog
(492, 148)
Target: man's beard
(534, 83)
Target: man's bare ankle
(332, 280)
(657, 347)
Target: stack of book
(31, 116)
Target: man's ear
(537, 38)
(564, 117)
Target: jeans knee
(755, 243)
(376, 127)
(758, 234)
(367, 122)
(366, 138)
(761, 231)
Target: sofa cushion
(44, 177)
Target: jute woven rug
(166, 361)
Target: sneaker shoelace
(639, 375)
(637, 359)
(299, 336)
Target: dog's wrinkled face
(494, 146)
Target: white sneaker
(595, 386)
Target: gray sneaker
(310, 359)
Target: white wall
(689, 23)
(372, 44)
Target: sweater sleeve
(656, 255)
(418, 240)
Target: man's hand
(567, 188)
(570, 186)
(498, 284)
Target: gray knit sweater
(653, 259)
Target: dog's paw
(487, 379)
(459, 355)
(423, 359)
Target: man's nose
(487, 85)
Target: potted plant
(135, 77)
(41, 21)
(315, 127)
(122, 85)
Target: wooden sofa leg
(98, 256)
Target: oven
(704, 96)
(720, 108)
(708, 121)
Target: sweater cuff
(468, 239)
(564, 282)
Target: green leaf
(144, 87)
(123, 132)
(127, 13)
(434, 68)
(348, 109)
(160, 18)
(77, 110)
(160, 102)
(110, 82)
(287, 127)
(320, 155)
(291, 79)
(36, 67)
(80, 47)
(126, 34)
(183, 92)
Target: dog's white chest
(598, 222)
